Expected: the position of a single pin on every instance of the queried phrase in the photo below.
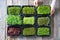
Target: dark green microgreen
(43, 21)
(43, 9)
(28, 10)
(29, 31)
(43, 31)
(14, 10)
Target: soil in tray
(13, 10)
(28, 31)
(43, 31)
(14, 30)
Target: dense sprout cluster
(43, 10)
(28, 10)
(43, 21)
(14, 10)
(29, 31)
(43, 31)
(13, 20)
(28, 20)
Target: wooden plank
(18, 2)
(31, 2)
(14, 2)
(9, 2)
(39, 38)
(46, 2)
(31, 38)
(23, 2)
(19, 38)
(2, 19)
(57, 35)
(55, 26)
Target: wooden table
(3, 27)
